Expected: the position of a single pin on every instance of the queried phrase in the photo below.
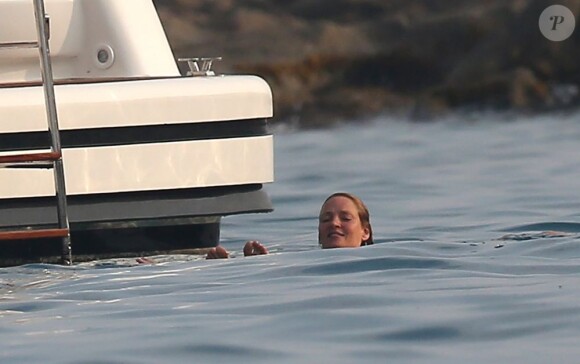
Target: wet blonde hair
(363, 213)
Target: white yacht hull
(152, 160)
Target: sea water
(463, 269)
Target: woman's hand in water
(254, 247)
(217, 253)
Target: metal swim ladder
(52, 159)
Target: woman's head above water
(344, 222)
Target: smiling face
(339, 224)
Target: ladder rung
(22, 159)
(12, 45)
(33, 234)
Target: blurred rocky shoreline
(329, 61)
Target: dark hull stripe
(81, 138)
(89, 245)
(86, 210)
